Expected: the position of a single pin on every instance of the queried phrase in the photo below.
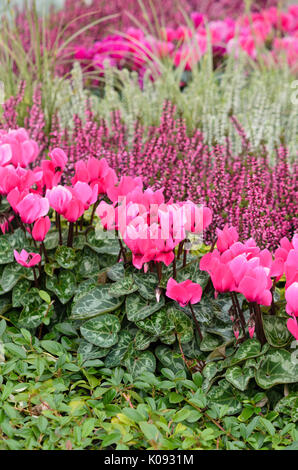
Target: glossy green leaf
(125, 286)
(63, 285)
(102, 331)
(183, 325)
(6, 252)
(66, 257)
(239, 377)
(276, 331)
(158, 324)
(276, 367)
(146, 284)
(143, 361)
(138, 308)
(95, 302)
(117, 353)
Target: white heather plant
(260, 99)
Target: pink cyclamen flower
(226, 238)
(184, 292)
(292, 299)
(292, 326)
(41, 228)
(28, 260)
(59, 158)
(32, 207)
(59, 198)
(255, 286)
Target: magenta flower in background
(28, 260)
(184, 292)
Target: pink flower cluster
(246, 269)
(150, 227)
(286, 263)
(269, 29)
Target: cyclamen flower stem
(259, 324)
(196, 322)
(35, 277)
(159, 271)
(122, 250)
(184, 258)
(181, 350)
(180, 249)
(44, 251)
(174, 268)
(70, 234)
(59, 228)
(238, 311)
(93, 212)
(272, 309)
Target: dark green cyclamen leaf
(170, 359)
(210, 342)
(5, 304)
(6, 252)
(117, 353)
(78, 241)
(63, 285)
(225, 395)
(89, 264)
(116, 272)
(168, 338)
(138, 308)
(102, 331)
(276, 331)
(210, 370)
(84, 287)
(95, 302)
(192, 271)
(146, 284)
(249, 349)
(88, 351)
(12, 273)
(143, 361)
(52, 240)
(277, 367)
(182, 323)
(35, 310)
(239, 377)
(103, 246)
(50, 268)
(66, 257)
(17, 239)
(142, 340)
(125, 286)
(192, 349)
(106, 260)
(159, 323)
(204, 310)
(289, 406)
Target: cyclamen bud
(236, 332)
(157, 294)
